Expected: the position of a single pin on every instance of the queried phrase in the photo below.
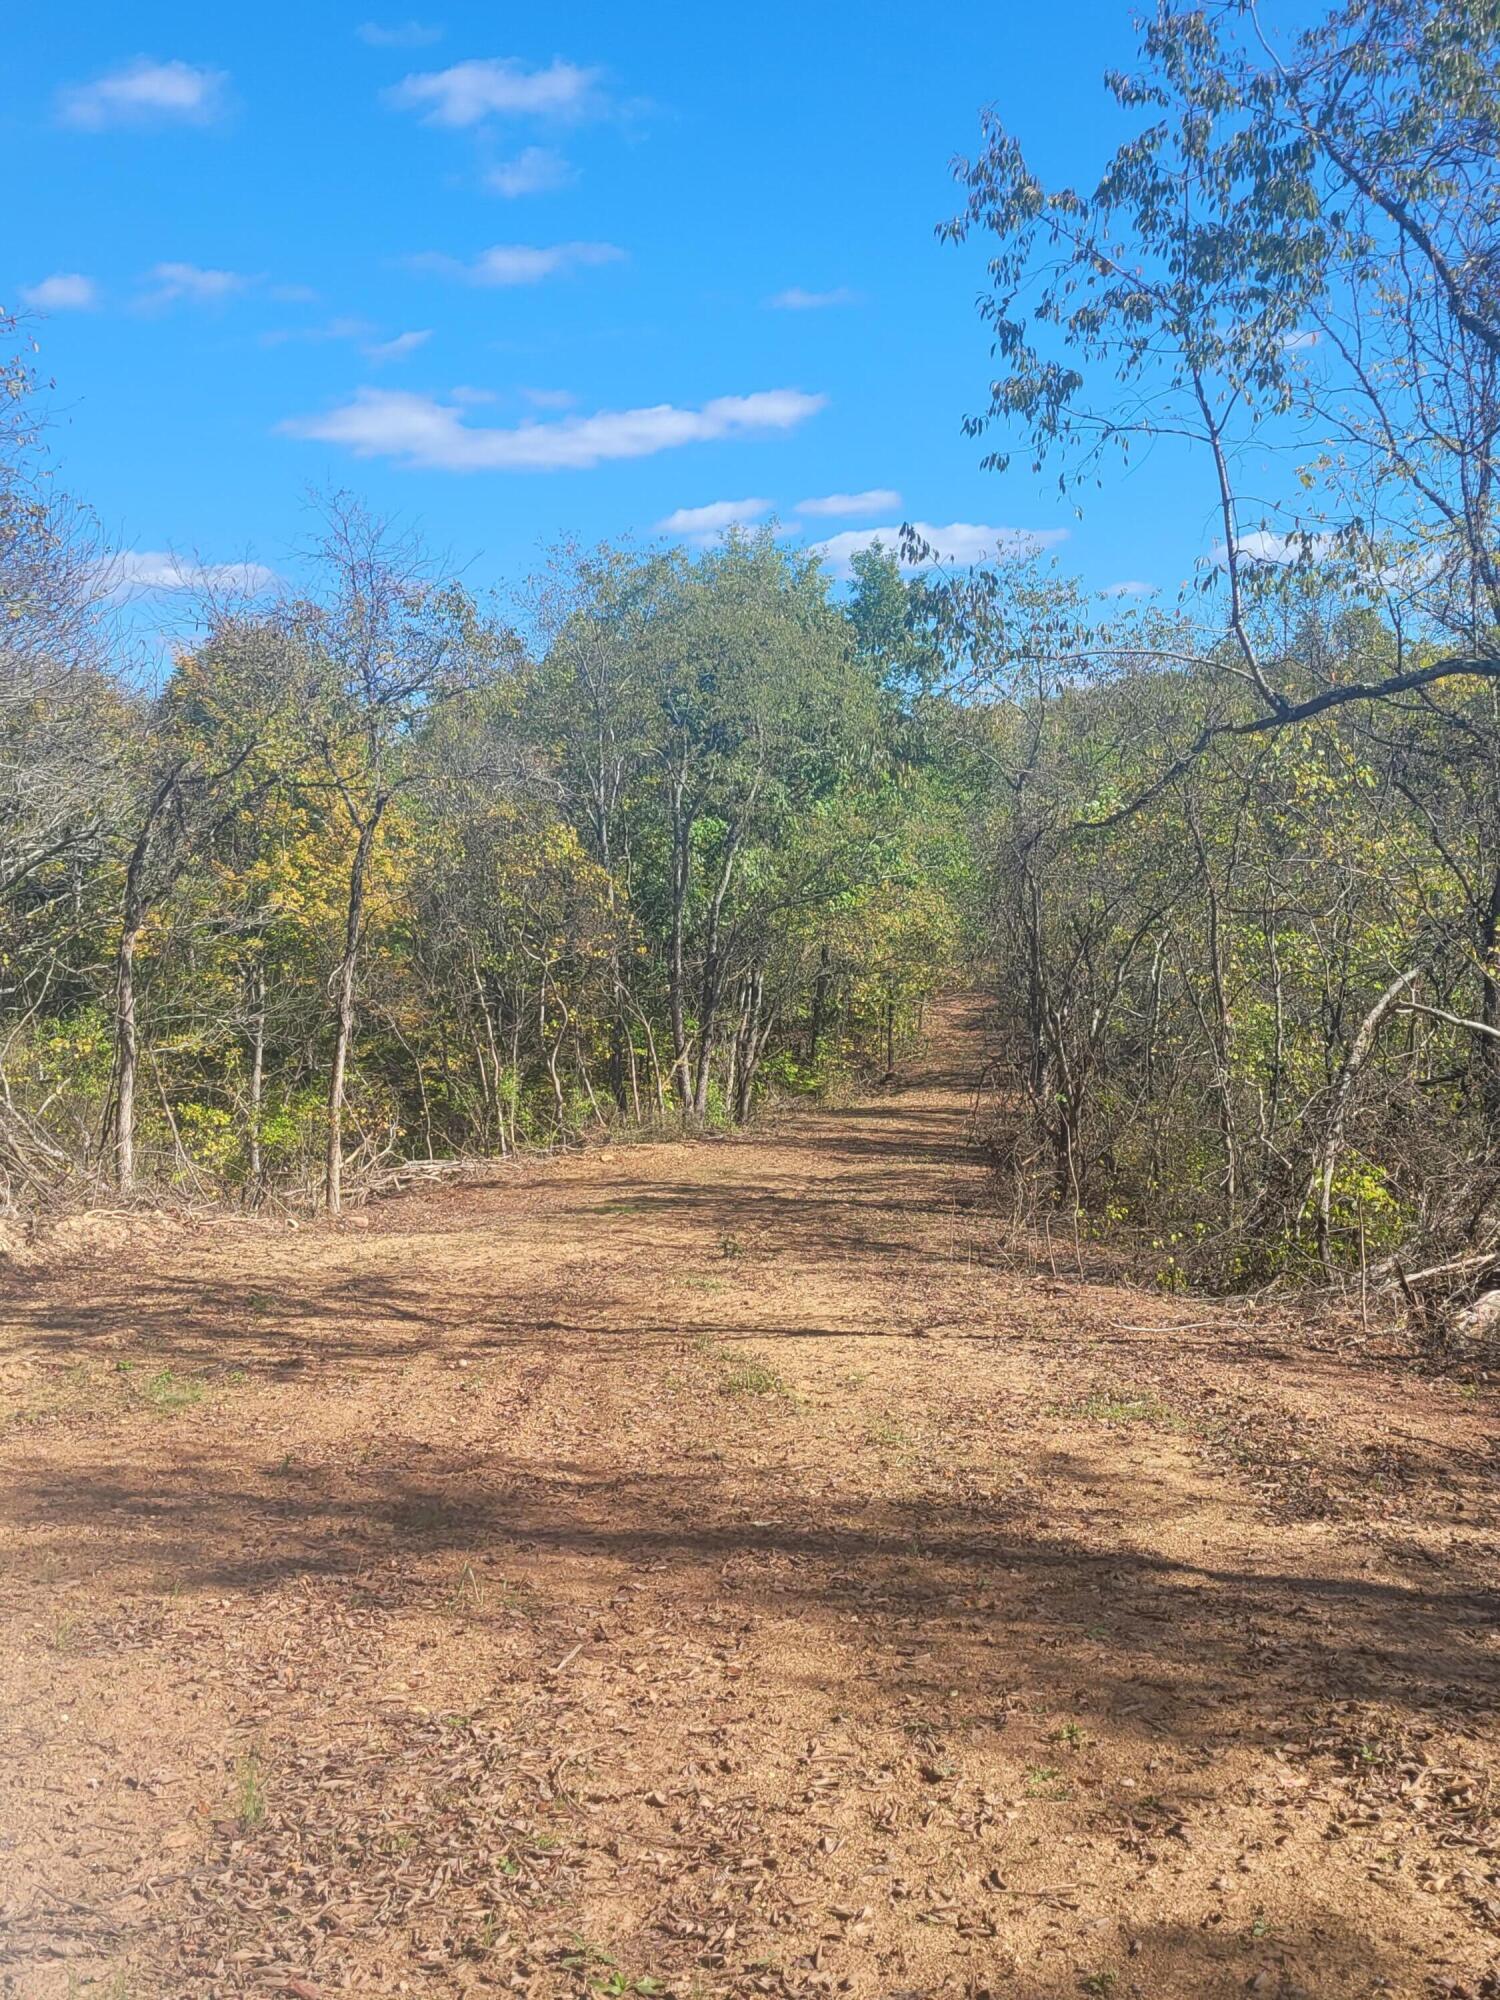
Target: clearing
(712, 1569)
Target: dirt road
(715, 1569)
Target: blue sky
(514, 277)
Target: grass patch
(744, 1374)
(250, 1790)
(753, 1378)
(168, 1393)
(887, 1432)
(1108, 1406)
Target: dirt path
(709, 1570)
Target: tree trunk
(819, 1003)
(333, 1163)
(682, 839)
(1333, 1139)
(134, 907)
(1488, 1052)
(127, 1060)
(711, 991)
(257, 1069)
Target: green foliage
(669, 856)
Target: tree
(384, 647)
(1296, 250)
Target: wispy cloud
(534, 170)
(500, 87)
(399, 34)
(64, 291)
(550, 399)
(795, 299)
(333, 329)
(1300, 341)
(960, 542)
(704, 524)
(876, 499)
(145, 92)
(519, 263)
(1131, 587)
(138, 572)
(171, 284)
(398, 348)
(424, 432)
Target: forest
(387, 872)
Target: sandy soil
(715, 1569)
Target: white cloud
(960, 542)
(520, 263)
(534, 170)
(64, 291)
(135, 572)
(421, 431)
(470, 92)
(875, 500)
(1264, 545)
(398, 348)
(144, 92)
(399, 35)
(550, 399)
(795, 299)
(1130, 588)
(705, 524)
(1298, 342)
(174, 283)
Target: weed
(753, 1378)
(468, 1593)
(1107, 1408)
(1045, 1781)
(731, 1246)
(250, 1790)
(168, 1393)
(64, 1633)
(886, 1431)
(1073, 1735)
(581, 1956)
(1098, 1982)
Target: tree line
(375, 873)
(1244, 852)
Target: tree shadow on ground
(996, 1599)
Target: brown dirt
(709, 1569)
